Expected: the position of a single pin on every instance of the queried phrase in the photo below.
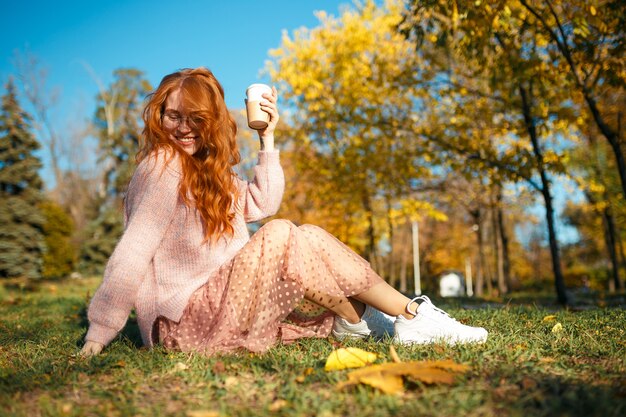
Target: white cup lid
(254, 92)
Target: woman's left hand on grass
(91, 348)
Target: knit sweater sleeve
(263, 195)
(152, 200)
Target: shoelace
(425, 299)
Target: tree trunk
(506, 262)
(620, 254)
(391, 279)
(481, 258)
(559, 281)
(609, 224)
(406, 242)
(497, 243)
(370, 254)
(611, 235)
(480, 284)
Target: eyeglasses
(177, 119)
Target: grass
(523, 369)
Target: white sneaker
(432, 324)
(374, 323)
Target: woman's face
(177, 124)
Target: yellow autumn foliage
(350, 85)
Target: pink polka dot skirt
(279, 287)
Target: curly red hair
(208, 181)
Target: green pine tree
(102, 235)
(21, 222)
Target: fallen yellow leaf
(180, 366)
(388, 376)
(203, 413)
(231, 381)
(277, 405)
(549, 318)
(348, 358)
(557, 328)
(301, 378)
(386, 382)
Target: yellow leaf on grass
(203, 413)
(386, 382)
(348, 358)
(277, 405)
(180, 367)
(557, 328)
(388, 377)
(301, 378)
(549, 318)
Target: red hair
(208, 181)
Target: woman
(196, 279)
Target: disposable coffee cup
(257, 118)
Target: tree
(102, 234)
(33, 77)
(60, 257)
(588, 41)
(351, 89)
(604, 212)
(495, 63)
(21, 238)
(118, 126)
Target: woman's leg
(387, 299)
(415, 322)
(380, 295)
(283, 263)
(324, 257)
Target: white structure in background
(451, 284)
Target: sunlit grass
(523, 369)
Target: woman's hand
(269, 106)
(91, 348)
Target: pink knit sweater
(161, 258)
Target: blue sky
(232, 38)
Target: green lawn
(523, 369)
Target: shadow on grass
(49, 371)
(130, 331)
(555, 396)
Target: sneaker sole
(437, 341)
(342, 336)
